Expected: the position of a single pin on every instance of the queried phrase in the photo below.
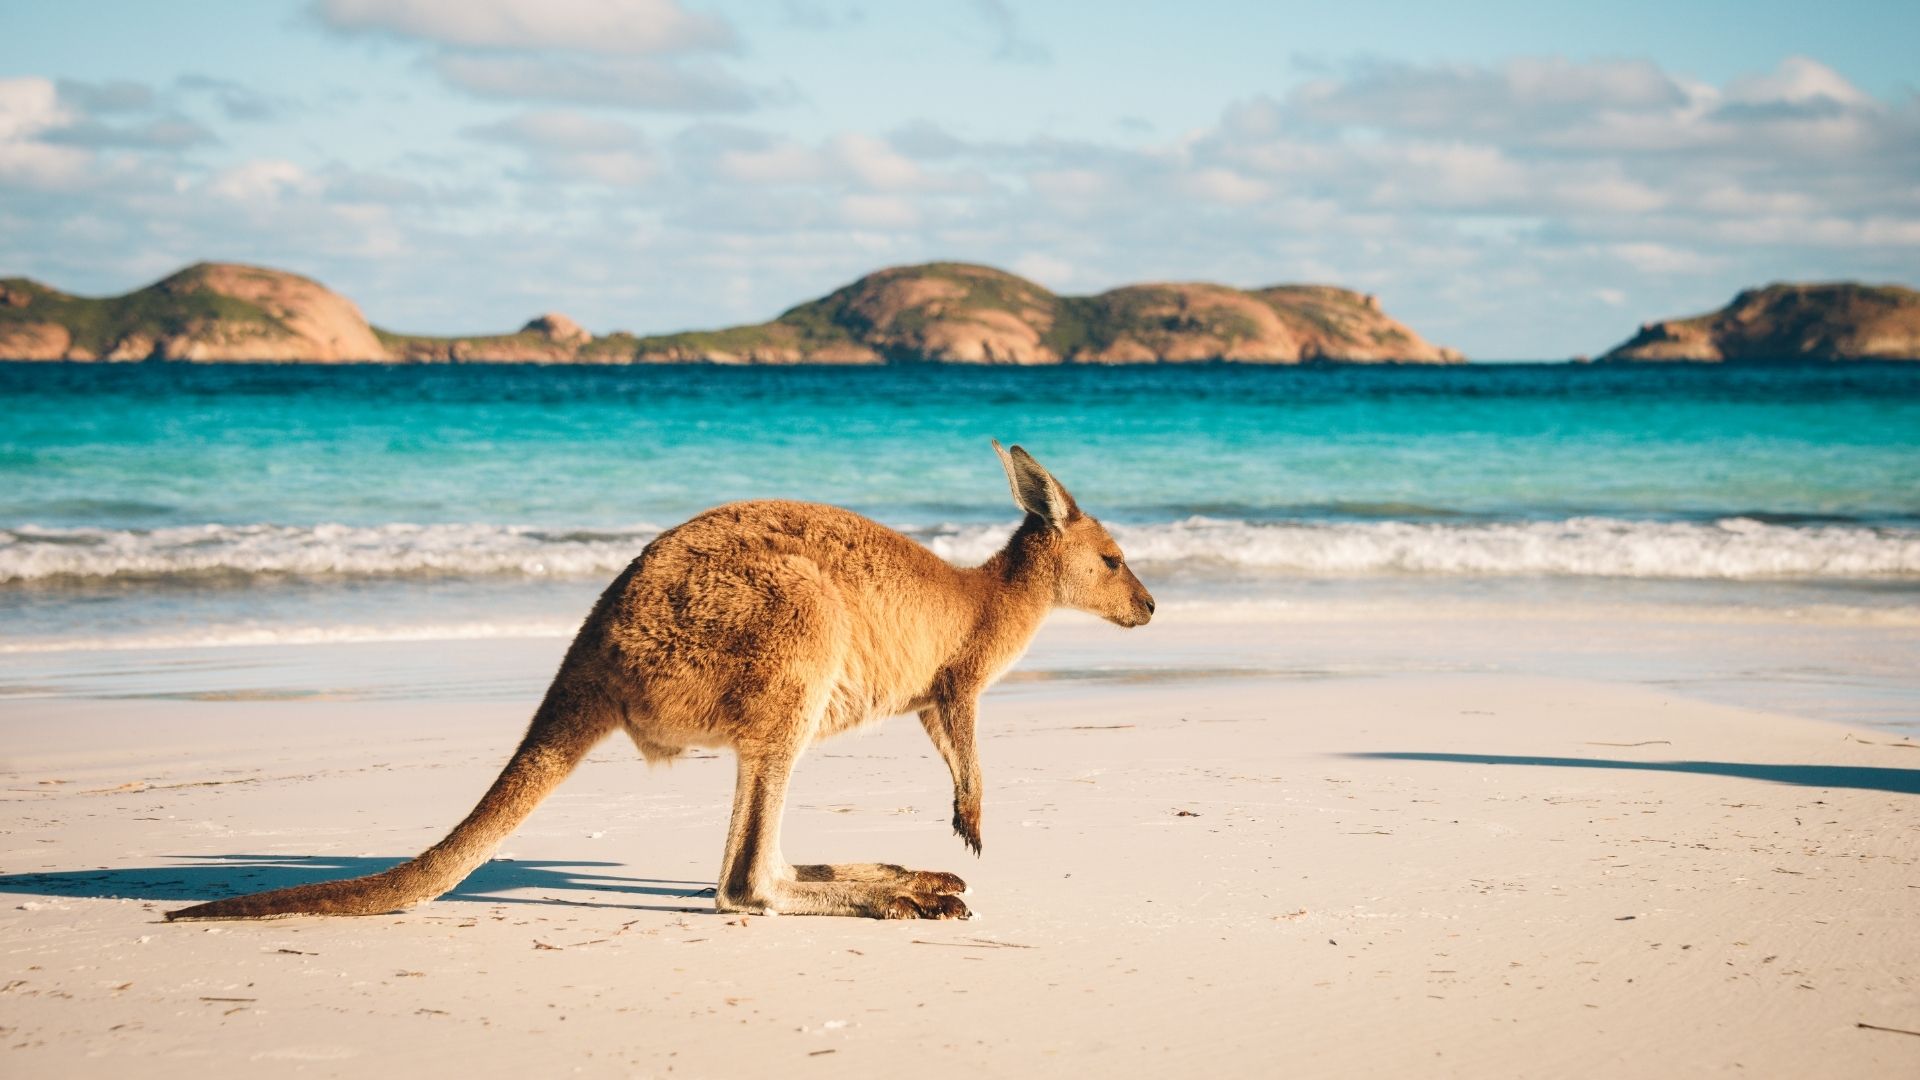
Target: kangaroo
(766, 627)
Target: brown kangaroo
(766, 627)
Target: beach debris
(296, 952)
(1185, 813)
(817, 1053)
(1904, 744)
(1877, 1027)
(1625, 918)
(538, 944)
(1291, 916)
(974, 943)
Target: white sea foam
(1732, 548)
(254, 635)
(1729, 549)
(246, 551)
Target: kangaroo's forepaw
(926, 906)
(967, 827)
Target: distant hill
(1789, 323)
(961, 313)
(209, 311)
(938, 313)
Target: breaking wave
(1736, 548)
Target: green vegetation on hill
(168, 308)
(940, 312)
(1784, 323)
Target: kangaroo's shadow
(210, 877)
(1859, 777)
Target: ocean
(167, 506)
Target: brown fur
(766, 627)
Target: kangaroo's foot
(938, 882)
(903, 899)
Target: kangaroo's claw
(926, 906)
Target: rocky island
(936, 313)
(1788, 324)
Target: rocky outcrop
(549, 339)
(209, 311)
(935, 313)
(960, 313)
(1788, 324)
(1282, 324)
(558, 329)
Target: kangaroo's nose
(1149, 605)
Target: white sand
(1321, 912)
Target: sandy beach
(1460, 867)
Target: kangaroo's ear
(1034, 489)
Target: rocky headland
(934, 313)
(1788, 324)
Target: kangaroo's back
(754, 593)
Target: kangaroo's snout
(1142, 612)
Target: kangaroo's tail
(567, 726)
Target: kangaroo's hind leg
(754, 877)
(927, 881)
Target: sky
(1518, 180)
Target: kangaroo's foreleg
(949, 723)
(754, 877)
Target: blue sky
(1517, 180)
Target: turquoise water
(143, 500)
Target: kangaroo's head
(1092, 571)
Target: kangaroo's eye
(1112, 561)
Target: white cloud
(878, 212)
(613, 27)
(629, 82)
(1797, 80)
(1224, 186)
(29, 108)
(30, 105)
(559, 130)
(261, 182)
(636, 54)
(1523, 95)
(1054, 273)
(876, 164)
(1073, 187)
(1651, 257)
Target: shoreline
(1829, 662)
